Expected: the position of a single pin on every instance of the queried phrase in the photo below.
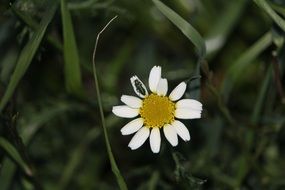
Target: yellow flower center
(157, 111)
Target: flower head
(155, 110)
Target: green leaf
(12, 151)
(27, 54)
(187, 29)
(72, 71)
(275, 17)
(237, 68)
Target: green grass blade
(237, 68)
(278, 8)
(261, 97)
(187, 29)
(27, 134)
(116, 66)
(194, 86)
(152, 184)
(8, 63)
(220, 30)
(34, 26)
(72, 71)
(7, 171)
(120, 180)
(12, 151)
(192, 34)
(26, 184)
(38, 120)
(27, 54)
(77, 157)
(275, 17)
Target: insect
(139, 87)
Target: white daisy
(155, 110)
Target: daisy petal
(170, 134)
(162, 87)
(178, 91)
(181, 130)
(131, 101)
(155, 140)
(139, 87)
(154, 77)
(189, 103)
(186, 113)
(139, 138)
(132, 126)
(125, 111)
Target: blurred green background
(50, 125)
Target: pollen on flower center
(157, 111)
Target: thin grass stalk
(115, 169)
